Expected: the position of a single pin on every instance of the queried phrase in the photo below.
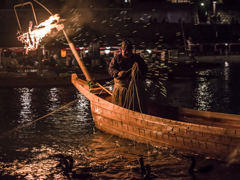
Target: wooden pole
(4, 61)
(80, 62)
(39, 55)
(229, 49)
(104, 89)
(184, 39)
(0, 57)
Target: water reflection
(26, 113)
(53, 98)
(203, 96)
(226, 70)
(103, 156)
(29, 153)
(226, 87)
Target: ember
(33, 37)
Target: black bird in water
(142, 170)
(203, 169)
(146, 171)
(66, 163)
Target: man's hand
(121, 73)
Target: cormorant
(203, 169)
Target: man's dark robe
(120, 96)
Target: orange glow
(63, 53)
(32, 38)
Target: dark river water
(33, 131)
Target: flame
(32, 38)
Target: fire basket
(34, 35)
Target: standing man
(190, 51)
(94, 52)
(120, 69)
(53, 61)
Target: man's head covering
(126, 44)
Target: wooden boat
(205, 133)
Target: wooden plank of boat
(216, 141)
(196, 116)
(209, 118)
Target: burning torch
(32, 38)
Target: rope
(107, 139)
(27, 124)
(129, 98)
(116, 147)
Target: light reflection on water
(204, 92)
(29, 151)
(54, 99)
(203, 95)
(226, 70)
(26, 113)
(214, 90)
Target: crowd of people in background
(94, 60)
(52, 62)
(31, 61)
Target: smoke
(88, 19)
(76, 17)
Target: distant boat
(210, 59)
(182, 69)
(31, 78)
(189, 69)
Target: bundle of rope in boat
(129, 98)
(131, 91)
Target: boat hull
(207, 140)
